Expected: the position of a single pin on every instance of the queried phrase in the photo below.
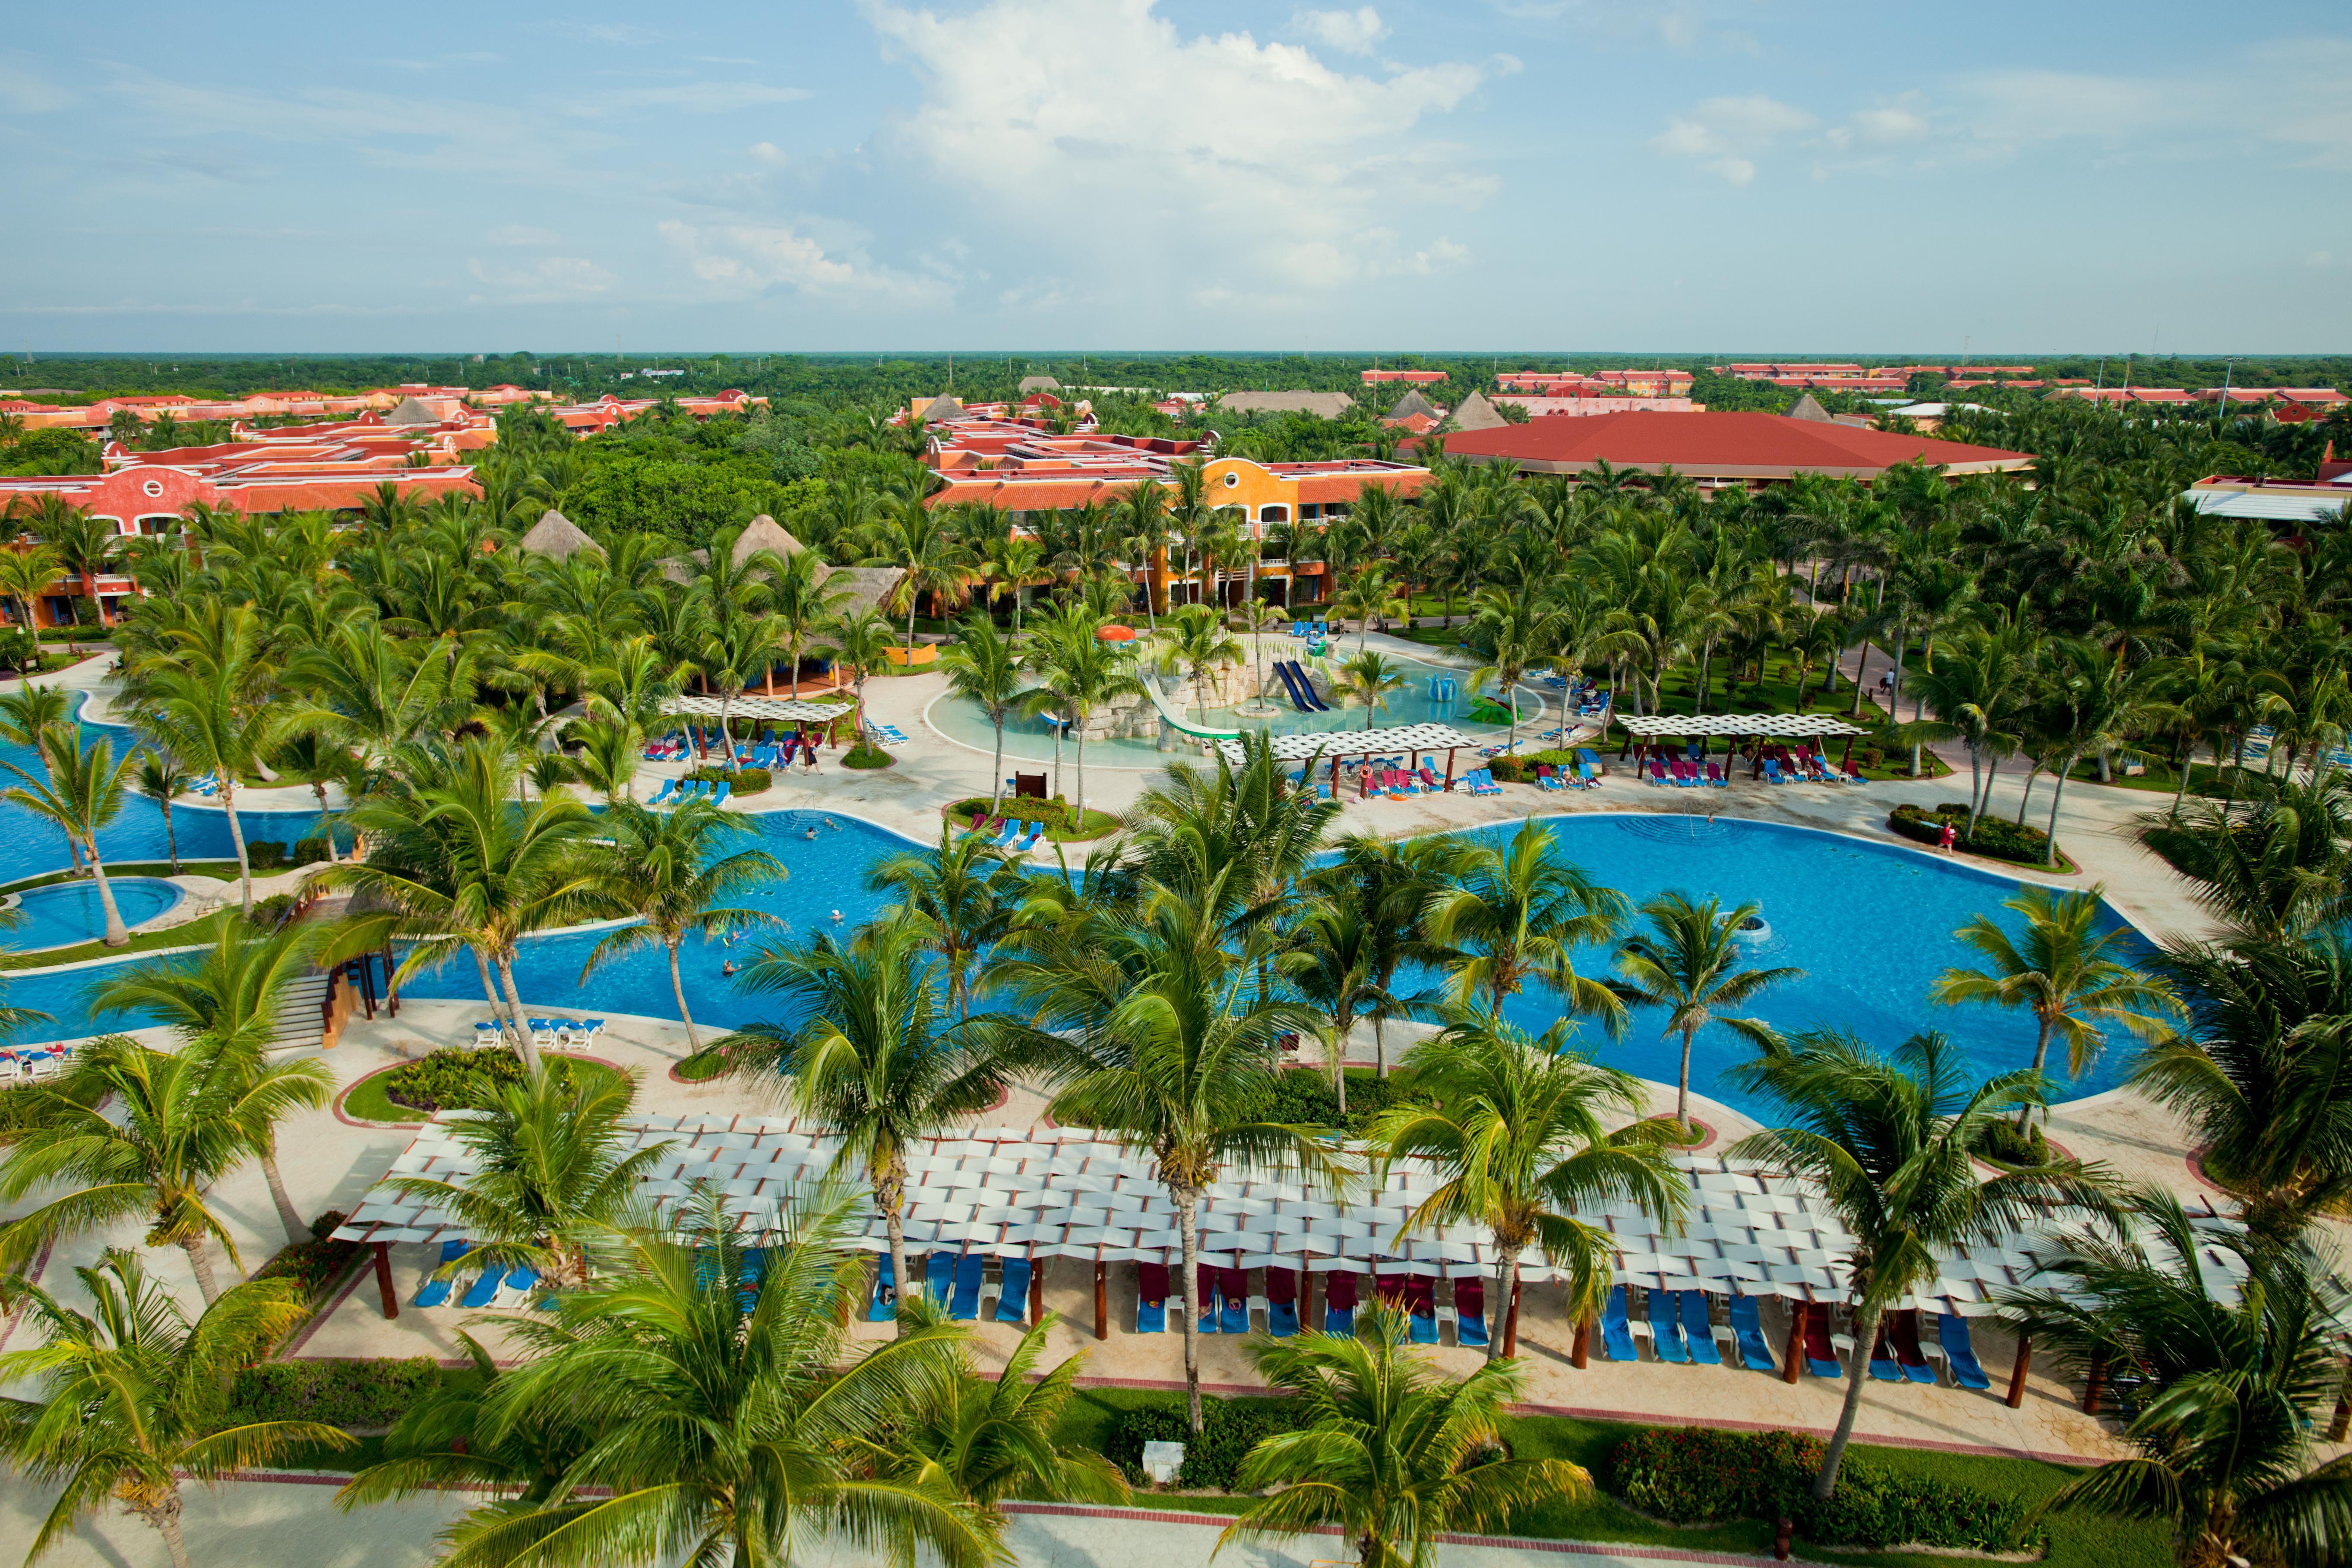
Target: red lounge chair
(1151, 1281)
(1903, 1329)
(1658, 771)
(1819, 1354)
(1338, 1304)
(1470, 1311)
(1393, 1289)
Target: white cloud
(1350, 32)
(689, 98)
(770, 153)
(745, 260)
(551, 280)
(523, 234)
(1725, 136)
(1886, 127)
(1213, 161)
(27, 87)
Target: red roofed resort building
(1410, 377)
(1720, 450)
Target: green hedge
(1522, 769)
(1995, 836)
(1055, 813)
(1230, 1428)
(338, 1393)
(1698, 1475)
(2000, 1143)
(271, 854)
(1303, 1097)
(457, 1076)
(743, 780)
(318, 1262)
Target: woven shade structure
(1782, 726)
(1070, 1193)
(757, 708)
(1358, 742)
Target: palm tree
(134, 1397)
(26, 577)
(669, 873)
(2071, 977)
(1519, 913)
(84, 544)
(1195, 639)
(1515, 636)
(2235, 1387)
(228, 1004)
(175, 1139)
(1083, 673)
(82, 793)
(913, 539)
(861, 642)
(1332, 949)
(983, 667)
(720, 1434)
(1392, 881)
(609, 753)
(1013, 565)
(962, 895)
(1513, 1126)
(1369, 679)
(1369, 597)
(159, 777)
(310, 760)
(871, 1062)
(206, 718)
(800, 605)
(1691, 966)
(1149, 1022)
(1884, 1140)
(2277, 865)
(454, 863)
(556, 1166)
(994, 1440)
(1143, 528)
(1394, 1455)
(2262, 1071)
(439, 1445)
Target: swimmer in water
(810, 834)
(832, 824)
(837, 917)
(727, 967)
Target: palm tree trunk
(1866, 1334)
(2058, 794)
(2026, 798)
(200, 1260)
(1506, 1279)
(523, 1047)
(685, 1014)
(1081, 817)
(1379, 1045)
(171, 840)
(1682, 1086)
(1058, 730)
(297, 1233)
(1188, 1233)
(326, 823)
(2188, 761)
(165, 1517)
(117, 933)
(2040, 1059)
(888, 1196)
(996, 788)
(236, 833)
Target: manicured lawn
(194, 934)
(863, 757)
(2162, 778)
(367, 1100)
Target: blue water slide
(1303, 702)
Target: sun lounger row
(1230, 1308)
(34, 1064)
(1783, 766)
(1687, 775)
(1680, 1326)
(886, 734)
(546, 1034)
(1553, 776)
(1010, 833)
(677, 791)
(493, 1289)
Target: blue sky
(1687, 177)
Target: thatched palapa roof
(1477, 414)
(557, 537)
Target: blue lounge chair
(661, 797)
(1012, 1299)
(1961, 1351)
(719, 796)
(1470, 1308)
(1616, 1333)
(515, 1289)
(1883, 1367)
(1697, 1330)
(885, 1295)
(1338, 1320)
(1666, 1328)
(1037, 832)
(1007, 834)
(1281, 1303)
(1749, 1330)
(1233, 1313)
(1772, 773)
(938, 1277)
(1151, 1298)
(751, 1277)
(964, 1306)
(436, 1291)
(484, 1287)
(1423, 1326)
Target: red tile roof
(1738, 446)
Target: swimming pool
(1869, 924)
(64, 913)
(1431, 695)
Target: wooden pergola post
(1793, 1358)
(1449, 768)
(382, 1251)
(1102, 1300)
(1037, 1292)
(1306, 1295)
(2018, 1369)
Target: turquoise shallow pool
(64, 913)
(1869, 924)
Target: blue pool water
(64, 913)
(1869, 924)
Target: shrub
(1229, 1429)
(1522, 769)
(316, 1263)
(1995, 836)
(264, 854)
(457, 1077)
(2003, 1145)
(1698, 1475)
(312, 850)
(273, 912)
(338, 1393)
(742, 780)
(1303, 1097)
(863, 755)
(1055, 813)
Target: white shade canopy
(1785, 726)
(1405, 739)
(757, 708)
(1050, 1192)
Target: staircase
(303, 1016)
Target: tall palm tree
(1369, 598)
(171, 1137)
(721, 1434)
(1084, 673)
(207, 719)
(2277, 865)
(1884, 1139)
(1392, 881)
(228, 1004)
(159, 777)
(871, 1062)
(25, 578)
(1369, 679)
(993, 1440)
(1690, 964)
(1514, 1129)
(1514, 634)
(1196, 639)
(861, 642)
(1329, 961)
(454, 863)
(670, 874)
(2262, 1071)
(134, 1397)
(1394, 1454)
(310, 760)
(962, 895)
(2236, 1387)
(1013, 565)
(85, 546)
(2067, 974)
(933, 561)
(1518, 913)
(609, 753)
(556, 1166)
(802, 605)
(1152, 1027)
(983, 667)
(439, 1445)
(81, 794)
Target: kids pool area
(65, 913)
(1829, 901)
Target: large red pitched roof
(1742, 445)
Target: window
(1273, 514)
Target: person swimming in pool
(837, 917)
(727, 967)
